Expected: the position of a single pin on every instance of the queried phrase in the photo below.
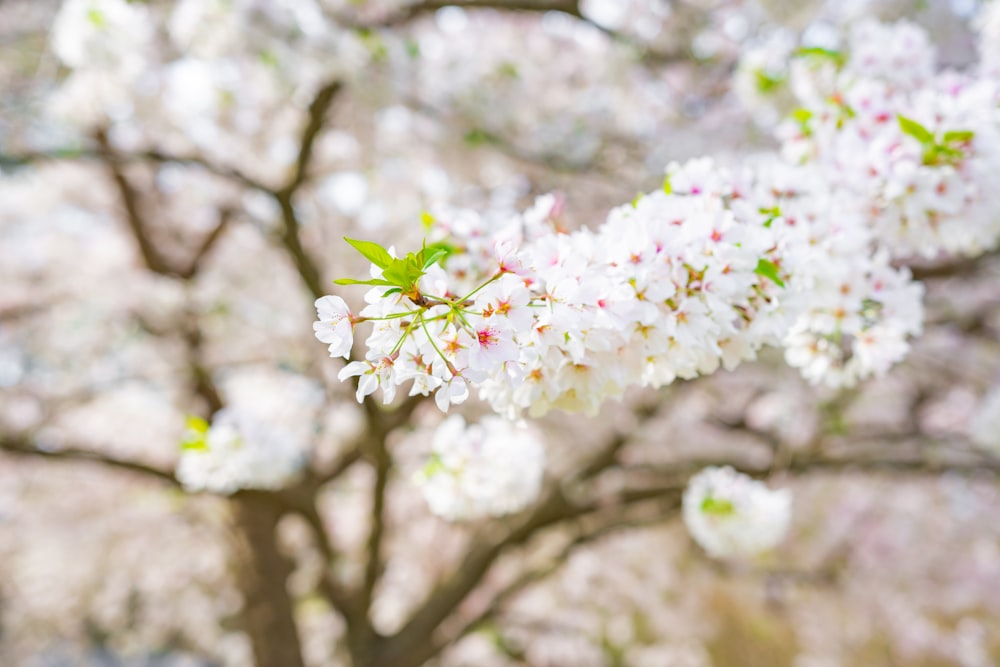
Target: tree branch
(410, 12)
(225, 215)
(151, 256)
(413, 643)
(307, 268)
(24, 447)
(15, 160)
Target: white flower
(732, 515)
(238, 452)
(102, 34)
(490, 468)
(371, 376)
(335, 326)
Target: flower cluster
(914, 150)
(696, 276)
(673, 285)
(490, 468)
(853, 311)
(236, 452)
(732, 515)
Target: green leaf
(508, 70)
(432, 259)
(195, 436)
(820, 53)
(769, 270)
(958, 136)
(435, 465)
(916, 130)
(427, 220)
(97, 18)
(196, 424)
(802, 115)
(771, 213)
(394, 290)
(717, 507)
(404, 272)
(373, 281)
(478, 137)
(637, 199)
(373, 252)
(767, 84)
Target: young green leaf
(373, 252)
(195, 436)
(373, 281)
(819, 53)
(915, 130)
(394, 290)
(404, 272)
(717, 507)
(958, 136)
(433, 257)
(769, 270)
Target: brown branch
(373, 567)
(15, 160)
(318, 108)
(951, 268)
(413, 643)
(307, 268)
(225, 216)
(338, 598)
(24, 447)
(585, 536)
(151, 256)
(410, 12)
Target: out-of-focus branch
(585, 535)
(414, 642)
(318, 108)
(412, 11)
(15, 160)
(373, 567)
(225, 215)
(23, 446)
(307, 268)
(952, 268)
(151, 256)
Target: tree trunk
(263, 572)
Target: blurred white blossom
(489, 468)
(237, 452)
(732, 515)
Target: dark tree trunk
(263, 573)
